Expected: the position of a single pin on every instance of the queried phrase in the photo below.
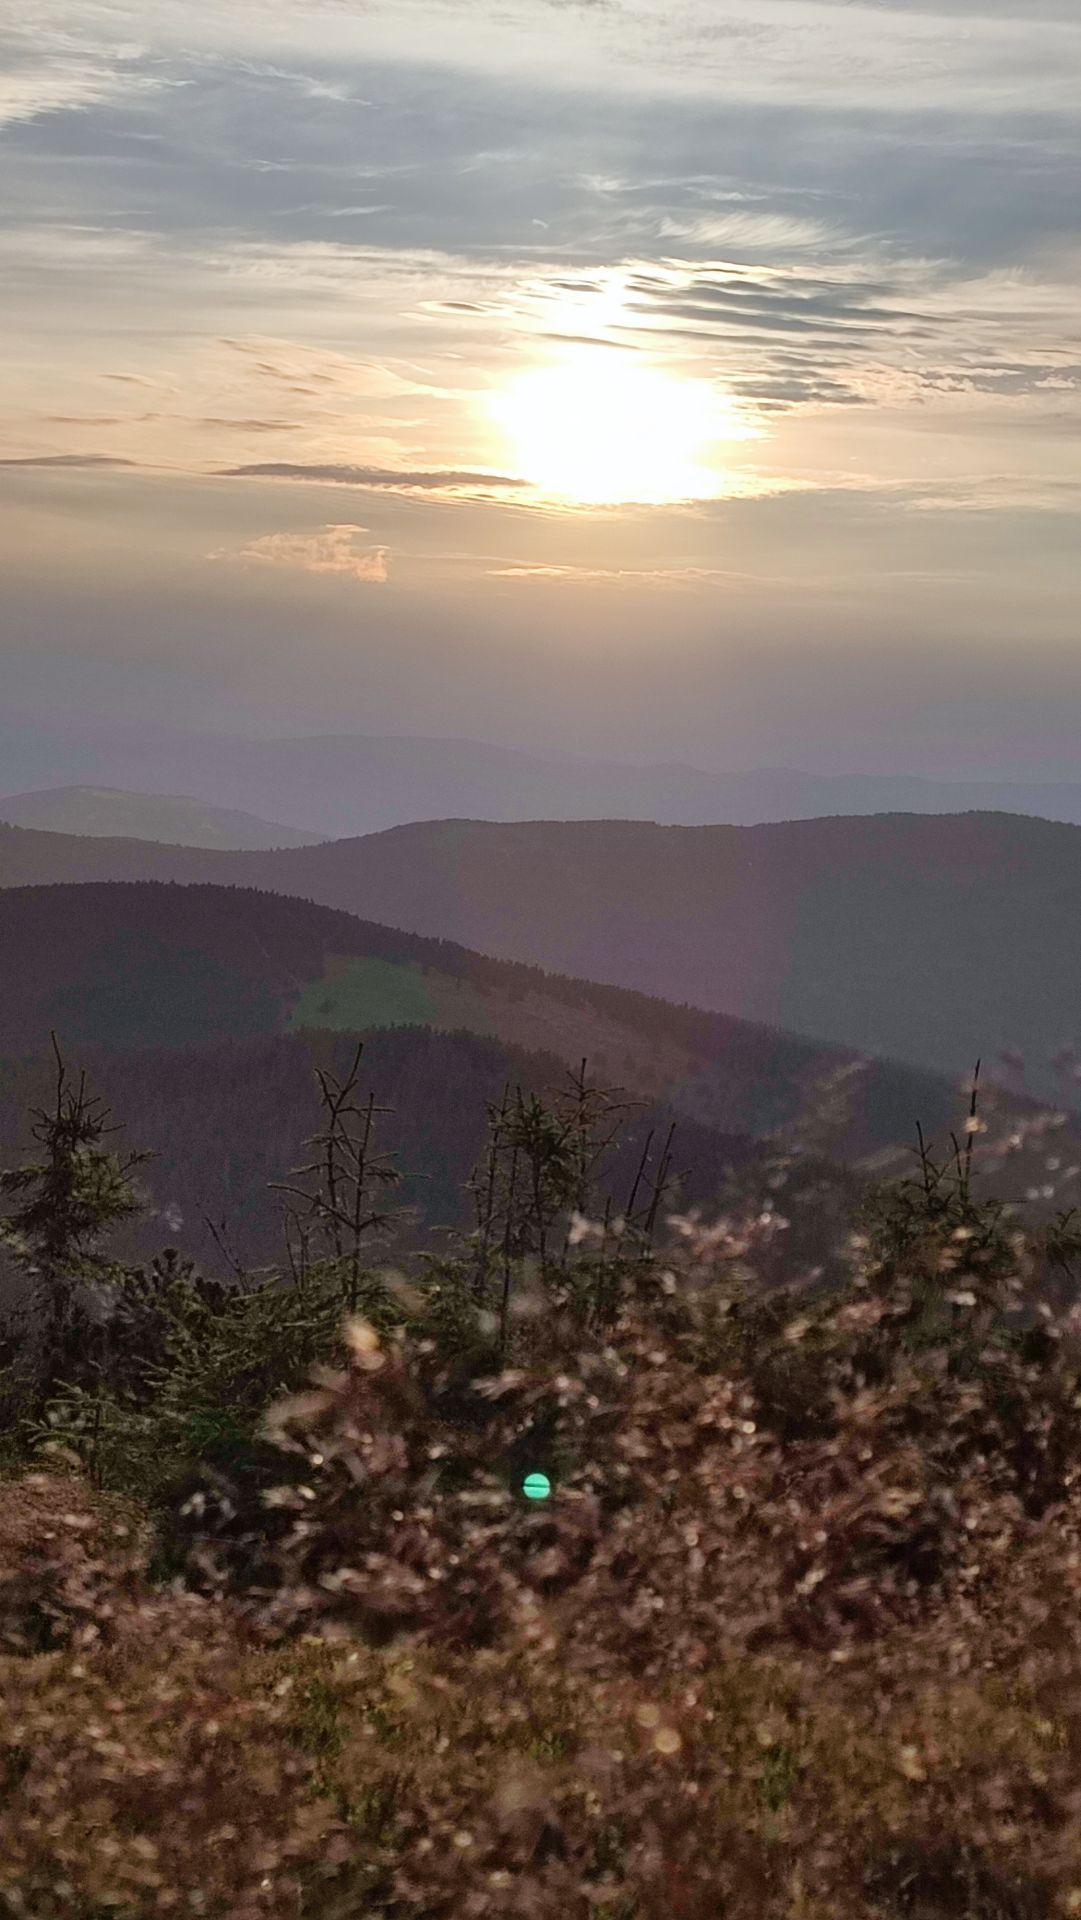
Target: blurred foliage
(794, 1638)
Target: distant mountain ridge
(174, 819)
(345, 785)
(930, 940)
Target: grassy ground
(359, 993)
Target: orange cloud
(331, 549)
(618, 576)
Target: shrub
(146, 1763)
(794, 1636)
(68, 1560)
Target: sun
(607, 429)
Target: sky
(692, 379)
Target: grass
(356, 994)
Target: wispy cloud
(46, 70)
(631, 578)
(89, 461)
(389, 479)
(332, 549)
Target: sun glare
(609, 430)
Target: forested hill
(935, 940)
(152, 965)
(225, 1124)
(29, 856)
(201, 1012)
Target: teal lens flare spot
(536, 1486)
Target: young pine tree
(65, 1203)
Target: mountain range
(110, 812)
(931, 940)
(343, 785)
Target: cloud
(1050, 10)
(854, 331)
(687, 577)
(454, 163)
(809, 49)
(95, 419)
(393, 479)
(89, 461)
(755, 230)
(43, 72)
(228, 425)
(848, 309)
(861, 221)
(332, 549)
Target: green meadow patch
(358, 993)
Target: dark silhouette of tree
(68, 1200)
(334, 1202)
